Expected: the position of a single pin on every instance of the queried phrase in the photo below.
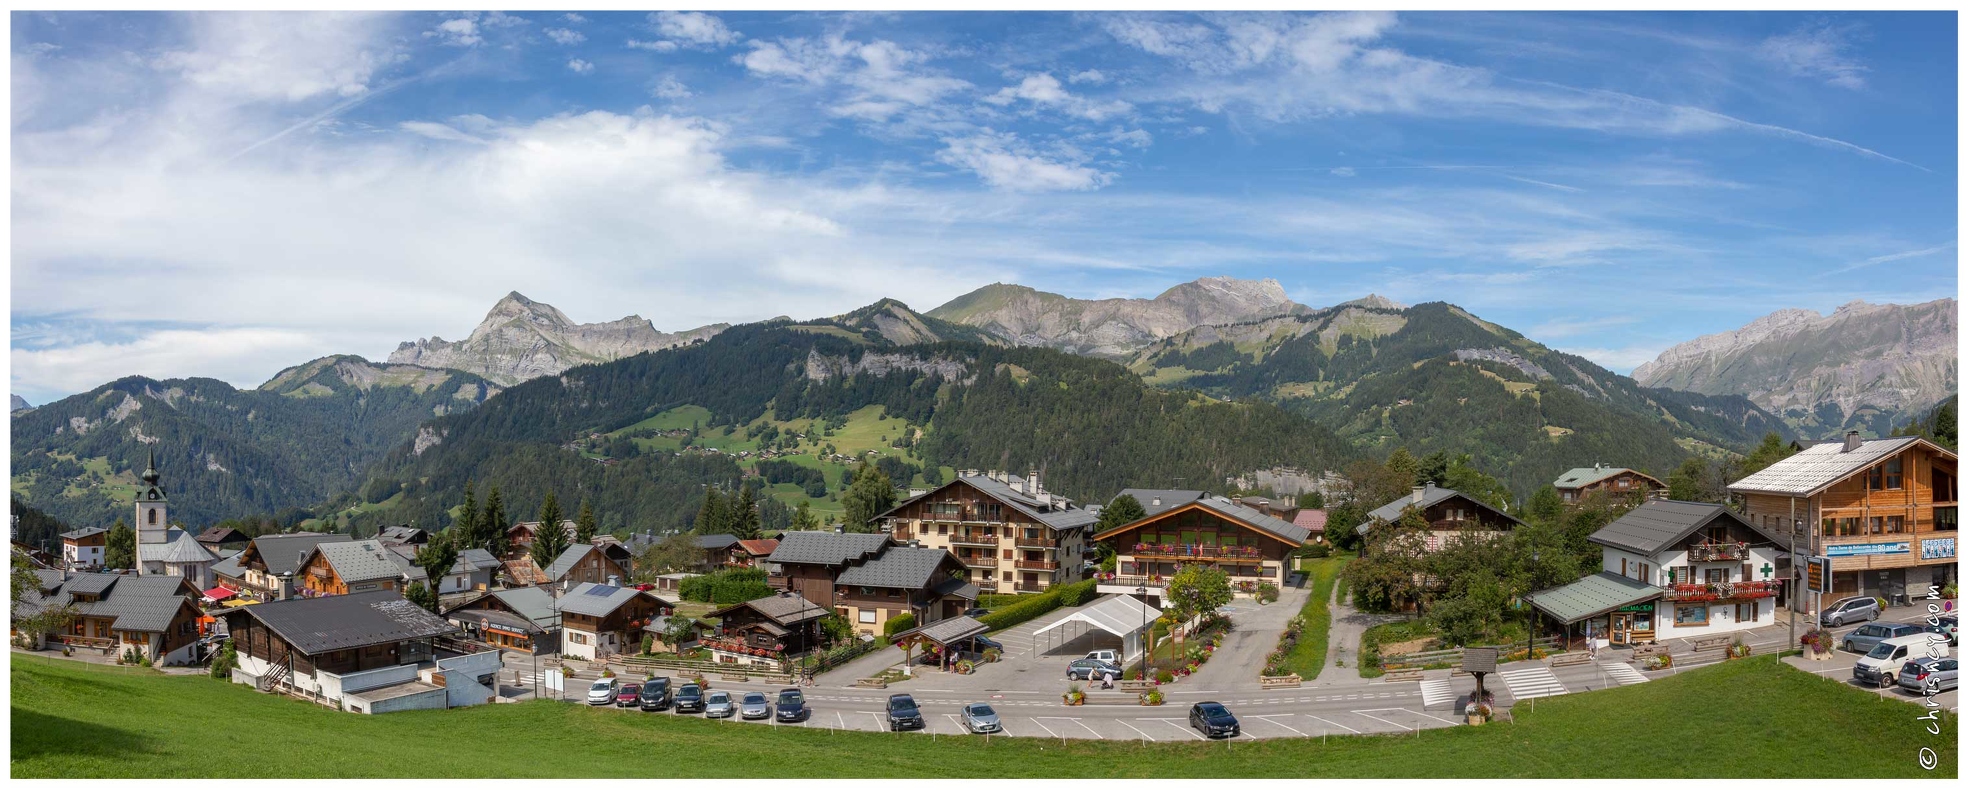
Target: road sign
(1818, 574)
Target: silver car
(1850, 610)
(718, 705)
(754, 706)
(979, 718)
(1863, 638)
(602, 692)
(1922, 674)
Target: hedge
(728, 586)
(898, 624)
(1031, 606)
(996, 600)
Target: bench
(1406, 674)
(1570, 659)
(872, 683)
(1136, 685)
(1281, 681)
(1644, 651)
(1713, 642)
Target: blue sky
(224, 195)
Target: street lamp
(1531, 611)
(1142, 638)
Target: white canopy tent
(1121, 615)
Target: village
(989, 605)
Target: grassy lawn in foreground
(1309, 655)
(1740, 718)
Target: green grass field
(1749, 718)
(1308, 657)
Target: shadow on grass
(38, 735)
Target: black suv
(690, 699)
(1213, 720)
(792, 706)
(656, 694)
(903, 714)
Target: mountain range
(1868, 367)
(1113, 328)
(522, 339)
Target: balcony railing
(1037, 542)
(969, 538)
(980, 561)
(85, 641)
(1721, 591)
(986, 583)
(1026, 587)
(1036, 565)
(1196, 551)
(1151, 582)
(1719, 552)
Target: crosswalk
(1533, 682)
(1436, 693)
(1622, 673)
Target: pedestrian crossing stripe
(1623, 674)
(1532, 683)
(1437, 692)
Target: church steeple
(150, 468)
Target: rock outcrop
(523, 339)
(1865, 366)
(20, 404)
(1114, 328)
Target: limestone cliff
(1114, 328)
(523, 339)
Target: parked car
(656, 694)
(1863, 638)
(629, 695)
(975, 612)
(1104, 655)
(1213, 720)
(1882, 665)
(1092, 669)
(792, 706)
(718, 705)
(979, 718)
(903, 714)
(1850, 610)
(690, 698)
(979, 644)
(1922, 674)
(602, 692)
(754, 706)
(1944, 625)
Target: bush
(1073, 594)
(1267, 592)
(1316, 551)
(1165, 676)
(1031, 606)
(898, 624)
(727, 586)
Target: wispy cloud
(1821, 51)
(1890, 258)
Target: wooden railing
(1719, 552)
(1037, 542)
(1721, 591)
(1026, 587)
(1036, 565)
(1196, 551)
(86, 641)
(970, 538)
(980, 561)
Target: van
(1103, 655)
(1882, 665)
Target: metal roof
(1120, 615)
(1156, 500)
(339, 622)
(788, 609)
(1587, 475)
(282, 553)
(955, 587)
(474, 560)
(78, 534)
(1431, 496)
(1659, 523)
(827, 548)
(1813, 469)
(567, 560)
(533, 603)
(1276, 528)
(718, 541)
(178, 546)
(1310, 519)
(1594, 595)
(361, 561)
(906, 567)
(597, 600)
(1053, 516)
(946, 631)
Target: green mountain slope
(297, 440)
(1434, 377)
(611, 433)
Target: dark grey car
(1863, 638)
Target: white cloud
(1092, 76)
(287, 57)
(235, 354)
(659, 45)
(1343, 172)
(1818, 51)
(1133, 138)
(564, 36)
(1621, 360)
(670, 88)
(881, 78)
(574, 18)
(1002, 160)
(580, 66)
(1043, 90)
(438, 131)
(459, 32)
(688, 30)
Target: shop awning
(220, 593)
(1592, 596)
(237, 602)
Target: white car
(1103, 655)
(603, 692)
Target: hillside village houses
(155, 616)
(520, 619)
(365, 652)
(1008, 531)
(1450, 514)
(1615, 480)
(869, 578)
(1195, 527)
(602, 620)
(82, 549)
(162, 549)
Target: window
(1945, 519)
(1873, 525)
(153, 516)
(943, 529)
(1894, 525)
(1697, 614)
(577, 637)
(1643, 576)
(1873, 479)
(865, 615)
(1746, 612)
(1623, 566)
(1716, 575)
(1893, 468)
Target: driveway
(1255, 630)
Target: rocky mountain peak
(1114, 328)
(522, 339)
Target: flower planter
(1280, 681)
(1073, 700)
(1817, 656)
(1474, 719)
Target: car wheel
(1848, 647)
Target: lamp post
(1531, 611)
(1141, 636)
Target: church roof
(177, 546)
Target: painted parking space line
(1379, 719)
(1437, 718)
(1334, 723)
(1183, 727)
(1042, 725)
(1268, 720)
(1068, 730)
(1138, 731)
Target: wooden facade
(1153, 549)
(318, 577)
(1889, 528)
(1003, 549)
(1628, 483)
(595, 566)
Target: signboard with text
(1866, 549)
(1937, 548)
(1818, 574)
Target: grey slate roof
(1157, 500)
(718, 541)
(597, 600)
(497, 617)
(282, 553)
(143, 603)
(1812, 469)
(474, 560)
(826, 548)
(362, 561)
(1170, 499)
(1658, 524)
(178, 546)
(947, 630)
(901, 566)
(90, 583)
(533, 603)
(229, 568)
(339, 622)
(789, 609)
(955, 587)
(1431, 495)
(567, 560)
(1587, 475)
(78, 534)
(1054, 517)
(1592, 596)
(400, 534)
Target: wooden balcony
(1719, 552)
(1190, 551)
(980, 561)
(1152, 582)
(1042, 541)
(776, 581)
(1722, 591)
(100, 642)
(1036, 565)
(1029, 587)
(969, 538)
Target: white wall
(1722, 619)
(336, 685)
(461, 678)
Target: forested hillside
(591, 433)
(303, 437)
(1434, 377)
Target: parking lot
(1840, 668)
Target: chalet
(764, 631)
(156, 616)
(718, 550)
(1450, 513)
(1010, 534)
(1313, 521)
(403, 536)
(1672, 569)
(270, 562)
(601, 620)
(83, 549)
(217, 538)
(519, 537)
(366, 652)
(658, 631)
(617, 551)
(585, 563)
(340, 568)
(162, 549)
(868, 578)
(673, 582)
(472, 571)
(749, 553)
(1614, 480)
(1195, 527)
(521, 619)
(1882, 510)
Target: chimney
(614, 580)
(1155, 501)
(1852, 441)
(1415, 494)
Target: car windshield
(1213, 711)
(689, 691)
(719, 696)
(601, 685)
(631, 689)
(1881, 650)
(902, 702)
(981, 710)
(790, 698)
(755, 698)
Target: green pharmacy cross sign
(1766, 570)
